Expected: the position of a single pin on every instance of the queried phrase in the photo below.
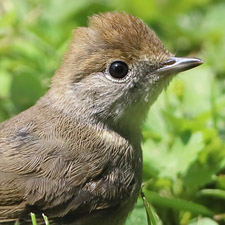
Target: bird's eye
(118, 69)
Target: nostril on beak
(175, 65)
(169, 62)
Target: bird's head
(114, 70)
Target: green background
(184, 148)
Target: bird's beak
(178, 64)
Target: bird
(76, 154)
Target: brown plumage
(76, 156)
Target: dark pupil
(118, 69)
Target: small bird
(76, 154)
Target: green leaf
(5, 82)
(26, 89)
(138, 215)
(177, 159)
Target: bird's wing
(11, 201)
(56, 173)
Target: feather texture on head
(113, 35)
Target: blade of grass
(152, 217)
(45, 219)
(177, 204)
(213, 192)
(33, 219)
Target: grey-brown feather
(60, 165)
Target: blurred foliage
(184, 148)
